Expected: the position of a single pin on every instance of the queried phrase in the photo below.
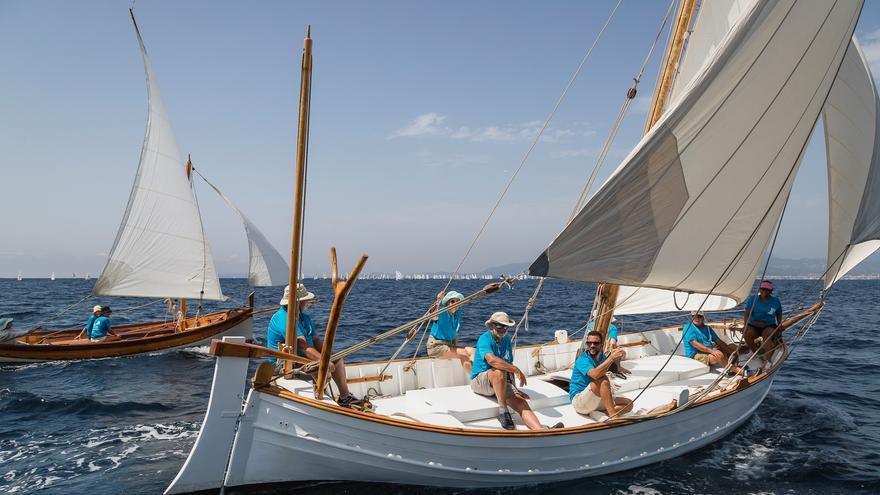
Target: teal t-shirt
(447, 325)
(612, 330)
(704, 335)
(100, 327)
(580, 379)
(487, 344)
(765, 312)
(89, 325)
(276, 334)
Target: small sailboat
(160, 252)
(730, 121)
(88, 276)
(52, 276)
(19, 276)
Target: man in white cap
(493, 370)
(87, 330)
(443, 340)
(308, 344)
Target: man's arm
(309, 351)
(599, 371)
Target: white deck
(437, 392)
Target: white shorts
(586, 402)
(99, 339)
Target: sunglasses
(589, 343)
(498, 326)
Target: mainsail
(852, 145)
(160, 249)
(693, 207)
(266, 268)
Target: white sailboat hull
(282, 440)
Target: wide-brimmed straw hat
(302, 294)
(501, 318)
(96, 309)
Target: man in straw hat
(308, 344)
(493, 370)
(87, 329)
(704, 345)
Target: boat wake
(45, 461)
(28, 403)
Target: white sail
(694, 205)
(852, 146)
(715, 21)
(160, 249)
(641, 300)
(267, 267)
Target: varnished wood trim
(371, 378)
(251, 351)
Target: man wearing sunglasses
(493, 370)
(590, 387)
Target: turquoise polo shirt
(488, 345)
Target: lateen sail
(852, 145)
(266, 268)
(160, 249)
(693, 207)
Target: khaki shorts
(437, 347)
(481, 385)
(702, 357)
(586, 402)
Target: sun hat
(96, 309)
(302, 294)
(4, 322)
(451, 295)
(501, 318)
(697, 313)
(766, 284)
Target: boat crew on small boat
(702, 343)
(87, 329)
(493, 371)
(763, 313)
(590, 387)
(6, 333)
(443, 340)
(101, 327)
(308, 344)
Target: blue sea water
(126, 425)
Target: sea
(126, 425)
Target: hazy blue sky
(420, 113)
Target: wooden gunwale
(156, 337)
(744, 384)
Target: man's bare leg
(522, 408)
(339, 377)
(623, 404)
(602, 388)
(499, 385)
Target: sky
(421, 112)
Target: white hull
(285, 440)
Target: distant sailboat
(52, 276)
(87, 277)
(19, 276)
(160, 251)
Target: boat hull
(138, 339)
(283, 438)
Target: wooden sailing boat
(720, 159)
(160, 251)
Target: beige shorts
(481, 385)
(437, 347)
(586, 402)
(702, 357)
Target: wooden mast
(606, 294)
(182, 324)
(305, 90)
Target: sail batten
(694, 206)
(160, 249)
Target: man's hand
(718, 354)
(624, 370)
(522, 395)
(617, 354)
(521, 377)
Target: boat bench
(465, 405)
(643, 369)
